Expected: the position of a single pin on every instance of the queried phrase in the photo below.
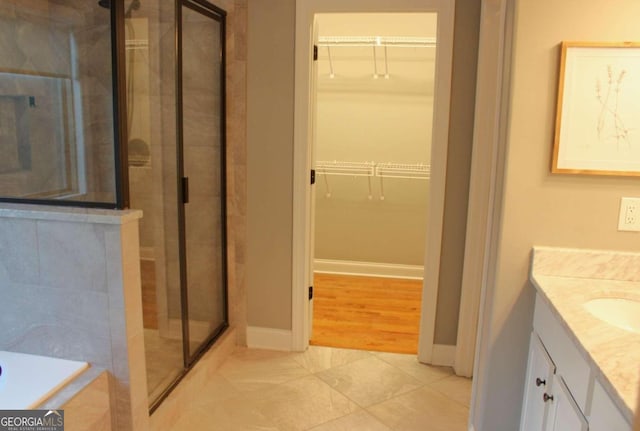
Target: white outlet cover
(629, 216)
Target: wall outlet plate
(629, 218)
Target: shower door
(201, 160)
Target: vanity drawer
(570, 364)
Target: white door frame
(305, 11)
(494, 78)
(487, 168)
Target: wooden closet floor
(367, 313)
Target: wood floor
(368, 313)
(149, 300)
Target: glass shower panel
(151, 127)
(56, 102)
(203, 158)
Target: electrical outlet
(629, 219)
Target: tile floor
(328, 389)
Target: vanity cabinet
(564, 414)
(561, 391)
(540, 371)
(548, 404)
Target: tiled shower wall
(237, 161)
(70, 287)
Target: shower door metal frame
(208, 9)
(189, 360)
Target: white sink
(621, 312)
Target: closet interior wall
(374, 111)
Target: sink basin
(621, 312)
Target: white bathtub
(28, 380)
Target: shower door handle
(185, 190)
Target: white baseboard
(269, 338)
(443, 355)
(370, 269)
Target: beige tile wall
(76, 295)
(237, 161)
(90, 410)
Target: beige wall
(270, 158)
(270, 162)
(540, 208)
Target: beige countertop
(568, 278)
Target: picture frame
(597, 128)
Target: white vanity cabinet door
(564, 413)
(570, 364)
(540, 371)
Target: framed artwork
(598, 112)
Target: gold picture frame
(598, 109)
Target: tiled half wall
(70, 287)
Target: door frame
(305, 11)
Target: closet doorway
(307, 132)
(374, 103)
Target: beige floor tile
(252, 369)
(276, 391)
(320, 358)
(359, 421)
(424, 409)
(410, 365)
(168, 413)
(229, 415)
(369, 381)
(301, 404)
(214, 390)
(456, 388)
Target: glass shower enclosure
(121, 103)
(175, 59)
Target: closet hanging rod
(398, 41)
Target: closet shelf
(398, 41)
(358, 169)
(137, 44)
(370, 169)
(403, 170)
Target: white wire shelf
(357, 169)
(398, 41)
(403, 170)
(369, 169)
(383, 170)
(136, 44)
